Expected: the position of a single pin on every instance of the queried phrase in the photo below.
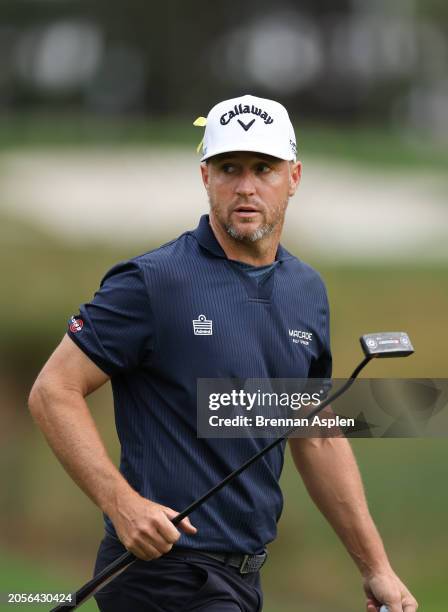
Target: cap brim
(243, 148)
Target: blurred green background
(98, 164)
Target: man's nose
(245, 186)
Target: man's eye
(263, 168)
(228, 168)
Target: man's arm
(331, 476)
(57, 403)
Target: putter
(383, 344)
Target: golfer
(225, 300)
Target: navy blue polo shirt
(139, 329)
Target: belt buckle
(243, 565)
(247, 567)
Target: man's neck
(259, 253)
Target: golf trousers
(178, 581)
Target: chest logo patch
(301, 337)
(202, 326)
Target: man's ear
(205, 174)
(295, 174)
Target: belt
(245, 563)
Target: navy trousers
(178, 581)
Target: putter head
(386, 344)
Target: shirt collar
(206, 238)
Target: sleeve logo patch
(75, 325)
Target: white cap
(248, 123)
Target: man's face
(249, 192)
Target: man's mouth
(246, 210)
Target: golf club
(383, 344)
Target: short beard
(258, 234)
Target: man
(217, 302)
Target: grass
(20, 575)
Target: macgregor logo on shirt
(301, 337)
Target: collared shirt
(143, 329)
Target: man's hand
(145, 528)
(386, 588)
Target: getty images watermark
(276, 403)
(234, 408)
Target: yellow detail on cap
(200, 122)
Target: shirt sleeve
(115, 329)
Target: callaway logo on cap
(248, 124)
